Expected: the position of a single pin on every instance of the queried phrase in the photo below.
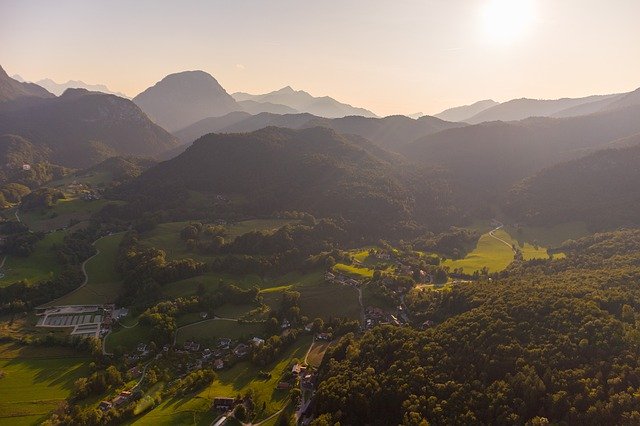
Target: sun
(505, 21)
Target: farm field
(61, 213)
(35, 380)
(166, 236)
(128, 338)
(495, 254)
(549, 237)
(104, 284)
(210, 281)
(229, 383)
(489, 252)
(207, 332)
(42, 264)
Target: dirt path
(86, 277)
(492, 235)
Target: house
(207, 354)
(297, 368)
(307, 381)
(192, 346)
(165, 348)
(329, 276)
(323, 336)
(223, 403)
(134, 371)
(142, 348)
(285, 324)
(204, 315)
(241, 350)
(218, 364)
(105, 405)
(308, 327)
(256, 341)
(283, 385)
(224, 343)
(123, 397)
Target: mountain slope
(255, 107)
(274, 169)
(59, 88)
(602, 189)
(302, 101)
(181, 99)
(463, 113)
(389, 132)
(519, 109)
(492, 156)
(80, 128)
(11, 90)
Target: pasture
(62, 213)
(41, 265)
(104, 284)
(207, 332)
(166, 236)
(35, 380)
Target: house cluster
(90, 195)
(336, 278)
(299, 373)
(376, 316)
(225, 351)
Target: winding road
(492, 235)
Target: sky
(391, 56)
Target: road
(86, 277)
(492, 235)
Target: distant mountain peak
(183, 98)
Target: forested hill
(602, 189)
(81, 128)
(273, 169)
(493, 156)
(550, 342)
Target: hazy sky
(395, 56)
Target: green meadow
(62, 212)
(104, 284)
(166, 236)
(42, 264)
(35, 380)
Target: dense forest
(547, 341)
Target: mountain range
(12, 90)
(59, 88)
(389, 132)
(520, 109)
(301, 101)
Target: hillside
(463, 113)
(492, 156)
(388, 132)
(59, 88)
(81, 128)
(302, 101)
(274, 169)
(181, 99)
(11, 90)
(601, 189)
(519, 109)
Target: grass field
(495, 254)
(61, 213)
(104, 284)
(354, 270)
(489, 252)
(210, 281)
(317, 353)
(42, 264)
(549, 237)
(207, 332)
(166, 236)
(35, 380)
(234, 381)
(128, 338)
